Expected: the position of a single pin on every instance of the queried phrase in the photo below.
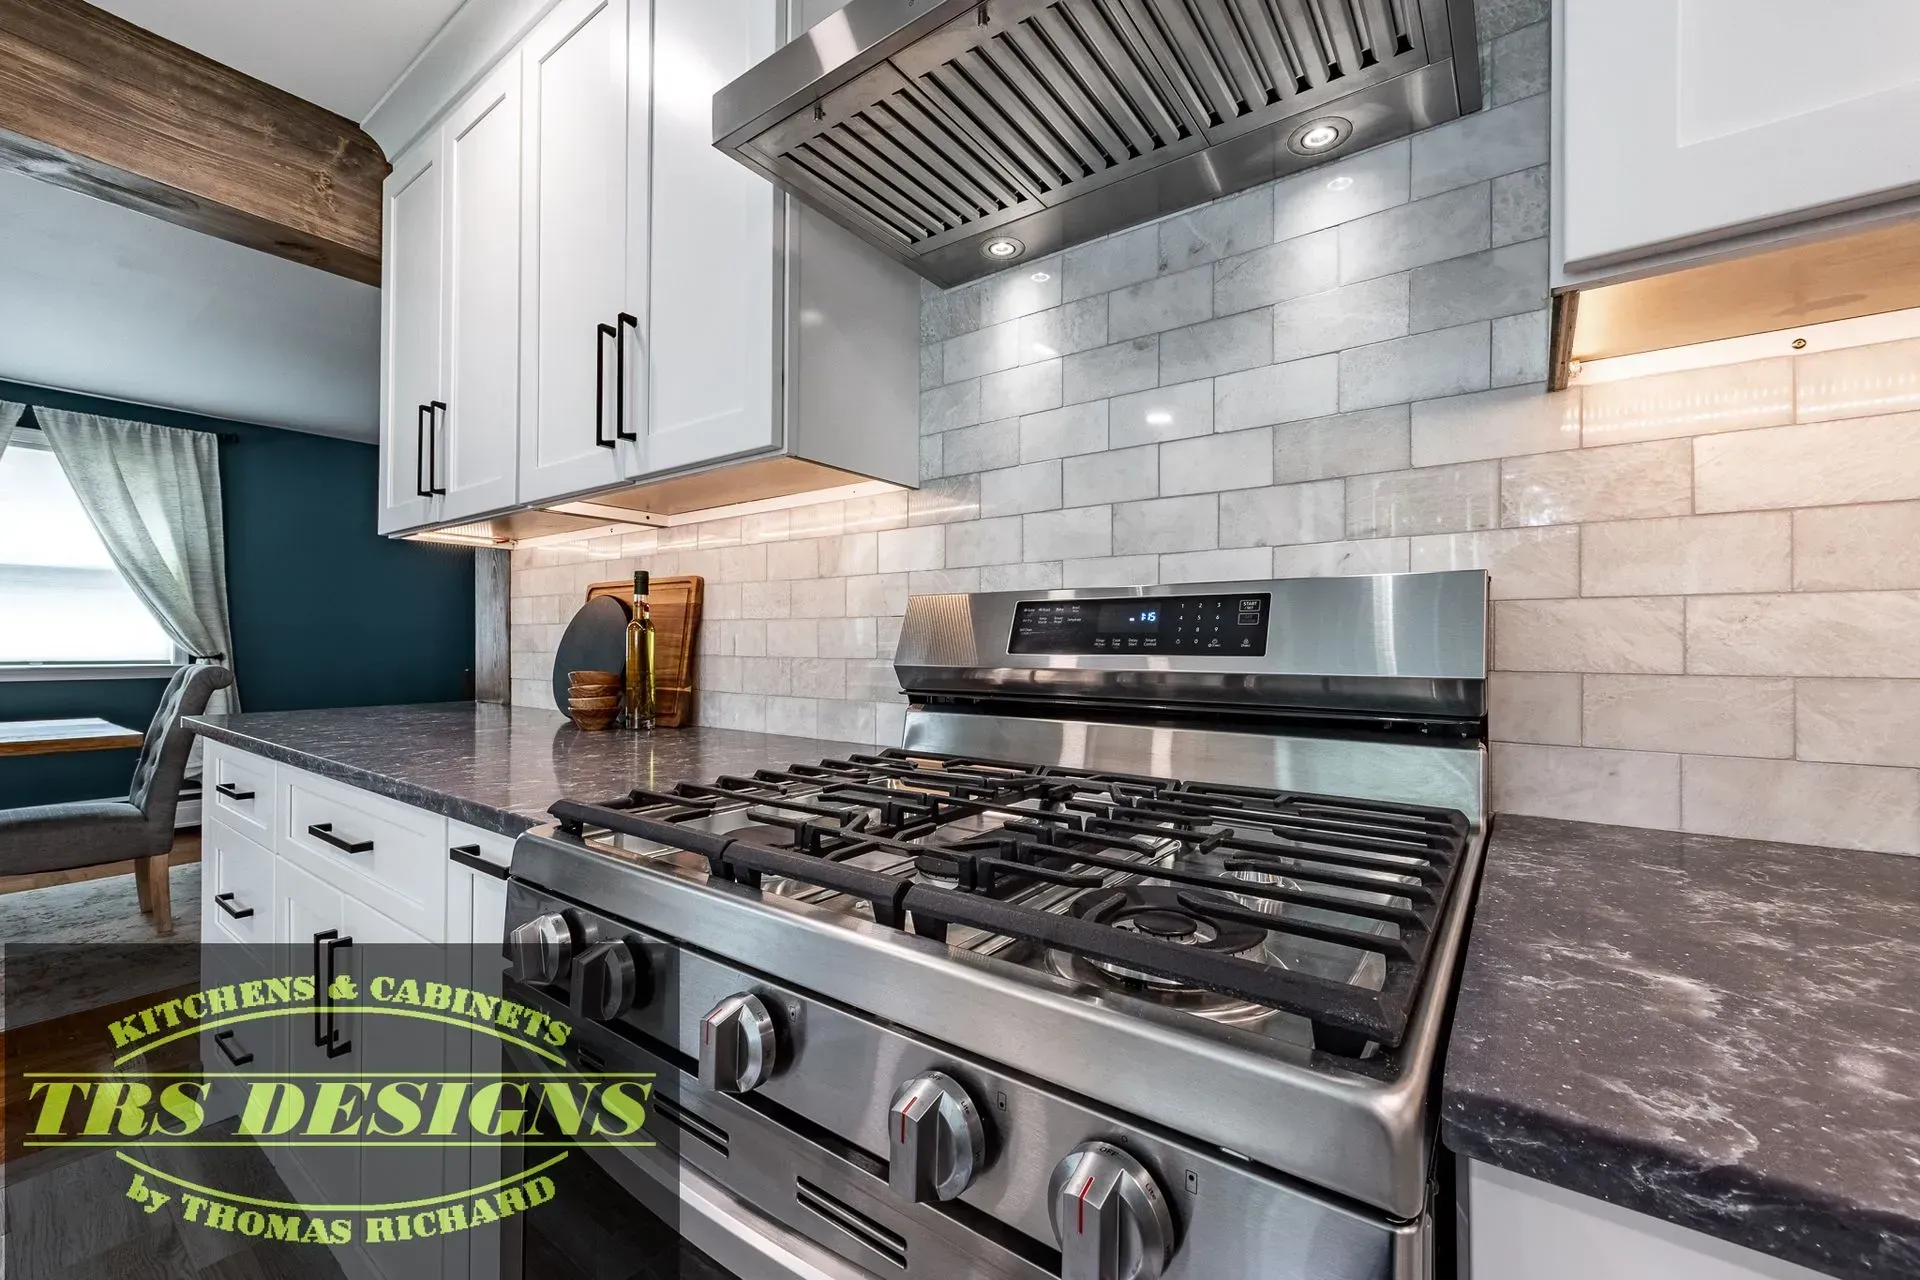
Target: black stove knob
(609, 978)
(541, 950)
(1110, 1216)
(739, 1045)
(937, 1144)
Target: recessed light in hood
(934, 130)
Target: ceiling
(99, 299)
(342, 54)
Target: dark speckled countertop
(497, 767)
(1721, 1033)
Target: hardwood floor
(186, 848)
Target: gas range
(1132, 960)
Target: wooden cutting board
(676, 624)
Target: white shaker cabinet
(480, 368)
(710, 349)
(1682, 124)
(410, 309)
(1517, 1228)
(450, 315)
(583, 245)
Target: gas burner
(1170, 915)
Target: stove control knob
(739, 1045)
(608, 979)
(938, 1145)
(541, 949)
(1110, 1216)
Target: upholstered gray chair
(136, 826)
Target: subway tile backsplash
(1707, 584)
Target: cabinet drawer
(236, 888)
(384, 853)
(239, 791)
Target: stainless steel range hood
(932, 129)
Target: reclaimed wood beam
(94, 104)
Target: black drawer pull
(323, 832)
(468, 855)
(225, 902)
(232, 792)
(221, 1040)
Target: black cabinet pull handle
(224, 1041)
(232, 792)
(420, 446)
(323, 832)
(325, 944)
(320, 997)
(601, 333)
(225, 903)
(620, 431)
(434, 410)
(468, 855)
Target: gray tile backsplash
(1707, 609)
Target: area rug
(82, 946)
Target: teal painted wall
(325, 612)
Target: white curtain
(154, 495)
(9, 419)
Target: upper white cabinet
(480, 428)
(583, 244)
(450, 310)
(583, 294)
(711, 341)
(1682, 123)
(410, 307)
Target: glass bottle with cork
(638, 713)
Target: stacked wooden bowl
(593, 699)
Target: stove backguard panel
(1395, 646)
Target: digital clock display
(1128, 619)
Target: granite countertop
(1721, 1033)
(497, 767)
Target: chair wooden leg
(143, 885)
(154, 871)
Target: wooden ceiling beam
(94, 104)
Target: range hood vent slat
(963, 121)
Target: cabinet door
(710, 343)
(1682, 122)
(480, 441)
(410, 304)
(575, 214)
(305, 908)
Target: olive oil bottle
(638, 713)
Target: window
(62, 602)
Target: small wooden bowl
(593, 721)
(577, 680)
(593, 704)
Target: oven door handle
(748, 1244)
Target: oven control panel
(1194, 626)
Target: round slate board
(596, 640)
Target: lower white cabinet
(1518, 1228)
(315, 877)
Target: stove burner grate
(1369, 876)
